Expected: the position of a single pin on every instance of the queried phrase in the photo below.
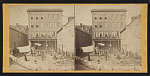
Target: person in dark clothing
(25, 57)
(88, 54)
(15, 50)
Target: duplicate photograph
(75, 38)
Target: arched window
(106, 35)
(95, 26)
(31, 18)
(100, 26)
(31, 26)
(100, 34)
(36, 18)
(100, 18)
(42, 35)
(96, 34)
(36, 26)
(41, 18)
(36, 35)
(95, 18)
(113, 34)
(117, 33)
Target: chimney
(70, 18)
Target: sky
(18, 13)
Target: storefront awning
(24, 49)
(37, 44)
(101, 44)
(88, 49)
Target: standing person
(25, 56)
(54, 56)
(99, 65)
(42, 54)
(106, 54)
(36, 65)
(88, 54)
(31, 51)
(96, 49)
(99, 52)
(15, 50)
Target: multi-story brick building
(106, 27)
(82, 38)
(43, 25)
(17, 38)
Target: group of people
(63, 54)
(55, 53)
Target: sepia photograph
(75, 37)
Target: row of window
(49, 34)
(36, 18)
(47, 17)
(113, 34)
(105, 17)
(115, 24)
(49, 24)
(100, 18)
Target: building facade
(83, 38)
(106, 27)
(17, 38)
(66, 38)
(131, 37)
(43, 25)
(66, 42)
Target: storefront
(49, 44)
(112, 45)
